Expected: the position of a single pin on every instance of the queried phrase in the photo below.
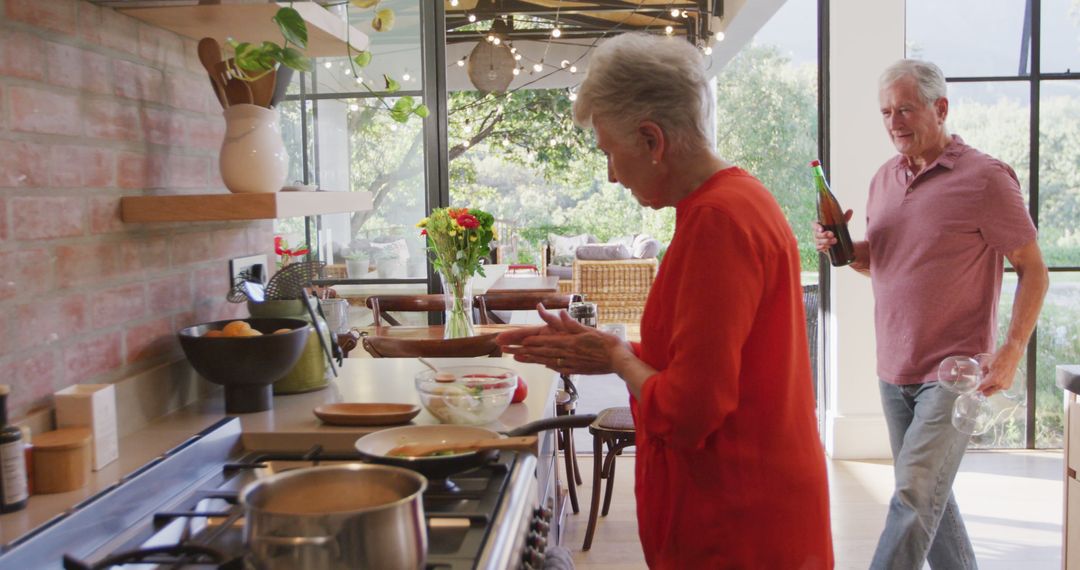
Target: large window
(1001, 82)
(342, 139)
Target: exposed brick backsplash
(94, 106)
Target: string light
(719, 36)
(354, 107)
(359, 81)
(538, 67)
(496, 41)
(461, 62)
(517, 71)
(406, 77)
(513, 50)
(674, 12)
(454, 3)
(472, 17)
(348, 71)
(328, 65)
(573, 69)
(517, 57)
(556, 32)
(708, 50)
(685, 14)
(573, 96)
(564, 63)
(669, 30)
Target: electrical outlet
(252, 267)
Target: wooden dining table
(633, 332)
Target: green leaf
(292, 26)
(392, 86)
(293, 58)
(362, 59)
(422, 111)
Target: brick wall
(95, 105)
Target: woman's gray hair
(928, 77)
(635, 76)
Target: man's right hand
(823, 240)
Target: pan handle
(294, 540)
(558, 422)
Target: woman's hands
(565, 345)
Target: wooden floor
(1011, 503)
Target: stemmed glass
(974, 413)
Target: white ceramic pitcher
(253, 157)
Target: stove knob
(532, 558)
(541, 526)
(536, 541)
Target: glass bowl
(474, 395)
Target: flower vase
(253, 157)
(457, 293)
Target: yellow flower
(422, 223)
(473, 238)
(453, 233)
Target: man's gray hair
(635, 76)
(928, 77)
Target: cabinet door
(1072, 526)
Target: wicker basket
(619, 288)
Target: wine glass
(959, 374)
(1015, 392)
(972, 413)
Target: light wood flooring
(1011, 501)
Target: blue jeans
(924, 522)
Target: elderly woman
(730, 470)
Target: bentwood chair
(523, 301)
(393, 347)
(613, 429)
(382, 305)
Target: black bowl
(246, 366)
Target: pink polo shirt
(937, 246)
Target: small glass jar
(583, 312)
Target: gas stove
(181, 511)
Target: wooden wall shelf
(222, 207)
(253, 23)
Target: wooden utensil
(262, 89)
(210, 57)
(523, 443)
(238, 92)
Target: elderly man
(941, 218)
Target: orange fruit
(236, 328)
(282, 331)
(214, 334)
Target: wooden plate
(370, 414)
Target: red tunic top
(730, 470)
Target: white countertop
(291, 424)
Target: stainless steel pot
(340, 516)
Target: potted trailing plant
(253, 81)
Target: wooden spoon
(262, 89)
(210, 56)
(238, 91)
(523, 443)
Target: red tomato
(521, 391)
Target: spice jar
(61, 460)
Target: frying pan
(374, 446)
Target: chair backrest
(524, 301)
(381, 305)
(392, 347)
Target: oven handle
(295, 540)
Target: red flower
(468, 221)
(277, 246)
(423, 232)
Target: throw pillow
(602, 252)
(562, 248)
(645, 247)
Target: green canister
(311, 371)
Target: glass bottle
(13, 493)
(831, 218)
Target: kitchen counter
(289, 425)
